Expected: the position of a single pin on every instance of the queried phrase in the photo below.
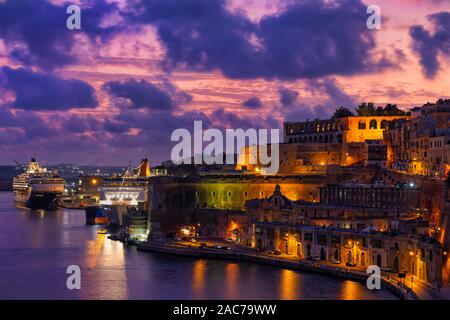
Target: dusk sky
(137, 70)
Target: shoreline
(404, 293)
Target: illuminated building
(421, 145)
(349, 206)
(89, 186)
(222, 224)
(312, 146)
(416, 255)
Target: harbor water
(36, 247)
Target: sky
(114, 91)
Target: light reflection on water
(36, 248)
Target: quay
(241, 253)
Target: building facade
(414, 255)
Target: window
(373, 124)
(322, 239)
(362, 125)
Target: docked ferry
(38, 188)
(120, 194)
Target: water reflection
(198, 283)
(288, 285)
(231, 280)
(35, 252)
(351, 291)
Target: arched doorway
(308, 250)
(363, 259)
(379, 261)
(349, 257)
(323, 255)
(336, 254)
(259, 246)
(299, 253)
(396, 264)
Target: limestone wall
(173, 201)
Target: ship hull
(39, 200)
(95, 215)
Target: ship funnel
(144, 168)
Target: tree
(393, 110)
(342, 112)
(369, 110)
(365, 109)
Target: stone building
(173, 201)
(222, 224)
(379, 196)
(340, 130)
(421, 145)
(416, 255)
(310, 147)
(345, 206)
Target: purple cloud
(143, 94)
(308, 39)
(287, 97)
(427, 45)
(253, 103)
(35, 32)
(41, 91)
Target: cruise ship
(38, 188)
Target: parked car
(313, 258)
(336, 261)
(217, 246)
(193, 240)
(349, 264)
(276, 253)
(203, 245)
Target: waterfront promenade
(243, 253)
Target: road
(423, 291)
